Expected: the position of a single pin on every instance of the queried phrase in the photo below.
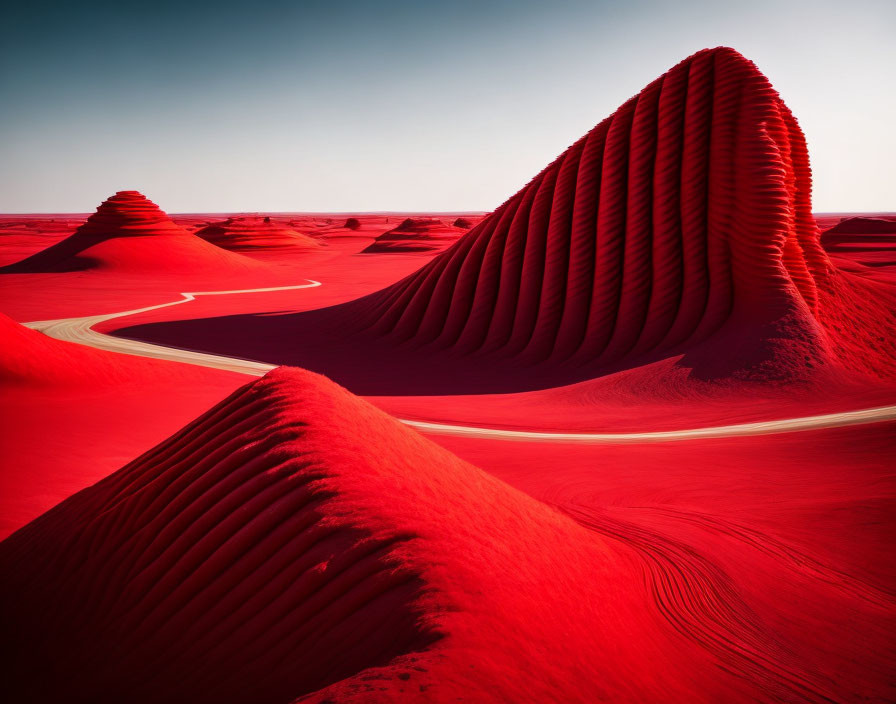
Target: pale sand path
(80, 330)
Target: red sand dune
(680, 225)
(294, 538)
(129, 233)
(247, 234)
(651, 231)
(31, 359)
(416, 235)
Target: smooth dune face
(250, 234)
(689, 203)
(31, 359)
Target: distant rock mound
(863, 226)
(352, 224)
(870, 242)
(247, 234)
(463, 223)
(128, 232)
(415, 235)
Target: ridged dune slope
(689, 205)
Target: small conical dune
(416, 235)
(129, 214)
(256, 234)
(130, 233)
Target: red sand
(72, 415)
(296, 538)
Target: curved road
(80, 330)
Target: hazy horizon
(401, 107)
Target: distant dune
(247, 234)
(863, 226)
(416, 235)
(130, 233)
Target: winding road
(80, 330)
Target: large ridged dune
(128, 232)
(689, 204)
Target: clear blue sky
(399, 104)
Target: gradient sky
(400, 104)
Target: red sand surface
(295, 541)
